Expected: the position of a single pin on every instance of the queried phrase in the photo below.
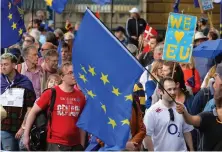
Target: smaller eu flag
(196, 3)
(106, 73)
(12, 23)
(176, 6)
(102, 2)
(56, 5)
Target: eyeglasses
(171, 114)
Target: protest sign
(206, 5)
(179, 37)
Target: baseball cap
(119, 28)
(134, 10)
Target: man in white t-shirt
(166, 129)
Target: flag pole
(33, 2)
(112, 2)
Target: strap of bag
(193, 72)
(206, 97)
(52, 103)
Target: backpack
(206, 98)
(38, 133)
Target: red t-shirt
(66, 112)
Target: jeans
(58, 147)
(8, 141)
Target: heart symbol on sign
(179, 36)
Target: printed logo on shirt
(70, 100)
(158, 110)
(68, 110)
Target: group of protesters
(176, 106)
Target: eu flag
(12, 23)
(196, 3)
(102, 2)
(176, 6)
(56, 5)
(106, 72)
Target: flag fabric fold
(12, 23)
(56, 5)
(106, 72)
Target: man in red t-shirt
(69, 103)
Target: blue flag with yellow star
(12, 23)
(56, 5)
(106, 72)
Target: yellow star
(20, 31)
(129, 97)
(103, 107)
(116, 91)
(13, 26)
(21, 12)
(10, 16)
(104, 78)
(112, 122)
(81, 76)
(9, 5)
(90, 93)
(49, 2)
(92, 70)
(125, 122)
(83, 68)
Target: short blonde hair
(9, 56)
(69, 35)
(63, 67)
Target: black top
(211, 131)
(135, 27)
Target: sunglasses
(171, 114)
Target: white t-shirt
(166, 135)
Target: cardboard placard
(179, 37)
(206, 5)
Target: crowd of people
(176, 106)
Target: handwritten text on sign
(206, 4)
(178, 44)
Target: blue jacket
(203, 65)
(210, 105)
(200, 100)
